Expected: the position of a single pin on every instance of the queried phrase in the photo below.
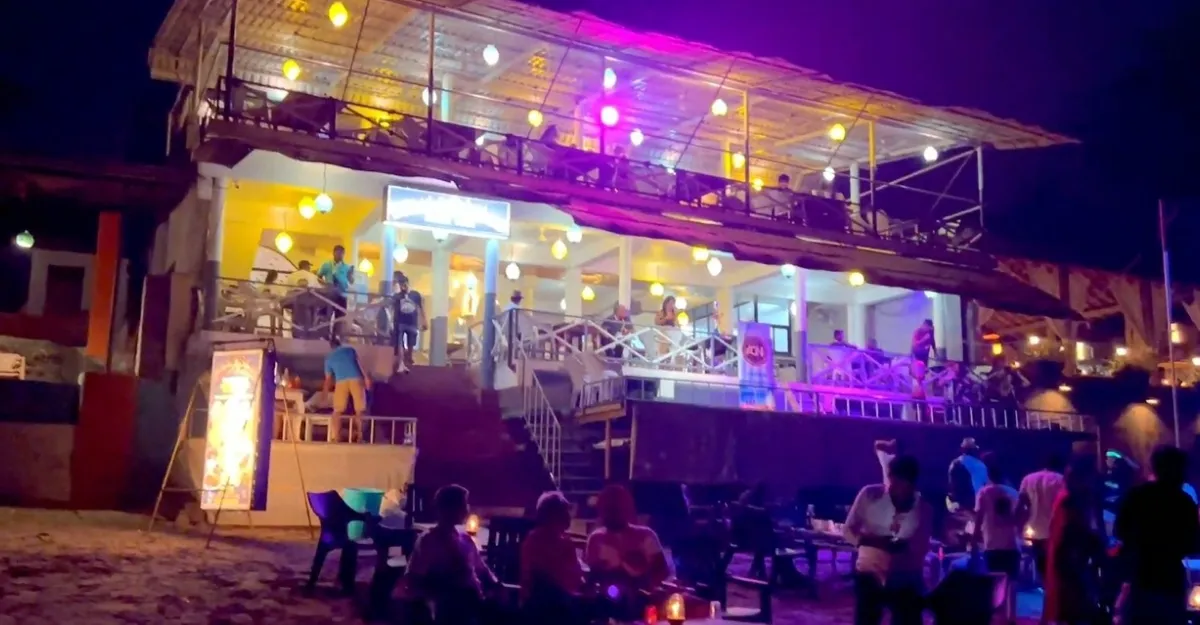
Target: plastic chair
(388, 567)
(503, 551)
(335, 516)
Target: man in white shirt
(998, 524)
(303, 276)
(891, 525)
(1038, 492)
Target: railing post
(229, 57)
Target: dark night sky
(1123, 77)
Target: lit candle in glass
(675, 609)
(1028, 532)
(472, 524)
(1194, 598)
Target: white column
(491, 267)
(947, 326)
(856, 324)
(573, 285)
(855, 188)
(625, 272)
(215, 247)
(726, 314)
(439, 305)
(444, 102)
(800, 339)
(386, 265)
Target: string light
(291, 69)
(837, 132)
(283, 242)
(338, 14)
(719, 108)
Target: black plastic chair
(418, 506)
(388, 568)
(503, 551)
(335, 516)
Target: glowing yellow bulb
(366, 267)
(682, 319)
(700, 254)
(856, 278)
(472, 524)
(837, 132)
(757, 184)
(558, 250)
(283, 242)
(308, 207)
(719, 108)
(1035, 339)
(587, 294)
(657, 290)
(291, 69)
(338, 14)
(535, 118)
(738, 160)
(997, 349)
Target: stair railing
(540, 420)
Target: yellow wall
(255, 212)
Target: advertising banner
(241, 415)
(405, 207)
(756, 367)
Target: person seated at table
(446, 568)
(620, 553)
(551, 574)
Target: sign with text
(756, 367)
(241, 414)
(406, 207)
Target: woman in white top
(999, 521)
(891, 525)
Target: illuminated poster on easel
(237, 449)
(756, 367)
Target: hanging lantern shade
(366, 267)
(714, 266)
(512, 271)
(400, 254)
(24, 240)
(657, 290)
(291, 69)
(308, 207)
(324, 203)
(338, 15)
(587, 294)
(283, 242)
(558, 250)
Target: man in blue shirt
(338, 275)
(344, 376)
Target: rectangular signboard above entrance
(406, 207)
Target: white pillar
(855, 188)
(726, 314)
(573, 285)
(491, 267)
(439, 305)
(947, 326)
(444, 102)
(215, 247)
(386, 265)
(625, 272)
(800, 339)
(939, 325)
(856, 324)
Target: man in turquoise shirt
(338, 274)
(345, 377)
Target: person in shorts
(408, 316)
(348, 381)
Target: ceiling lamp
(291, 69)
(788, 270)
(837, 132)
(491, 55)
(324, 203)
(558, 250)
(366, 267)
(719, 108)
(439, 235)
(400, 254)
(425, 99)
(574, 234)
(681, 303)
(535, 118)
(930, 154)
(1196, 361)
(682, 319)
(587, 294)
(714, 266)
(829, 174)
(562, 304)
(609, 116)
(1034, 339)
(338, 14)
(512, 271)
(472, 282)
(657, 289)
(1122, 351)
(738, 160)
(283, 242)
(636, 137)
(610, 78)
(757, 184)
(700, 254)
(856, 278)
(997, 349)
(25, 240)
(308, 207)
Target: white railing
(375, 430)
(540, 420)
(794, 398)
(299, 312)
(876, 370)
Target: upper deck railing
(817, 210)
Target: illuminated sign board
(237, 445)
(456, 214)
(756, 367)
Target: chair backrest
(505, 535)
(418, 506)
(386, 538)
(335, 516)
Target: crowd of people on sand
(1106, 550)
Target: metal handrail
(541, 422)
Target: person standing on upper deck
(408, 317)
(922, 346)
(338, 275)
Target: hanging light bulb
(719, 108)
(324, 203)
(681, 303)
(512, 271)
(609, 116)
(291, 69)
(283, 242)
(400, 254)
(610, 78)
(714, 266)
(738, 160)
(366, 267)
(682, 319)
(24, 240)
(856, 278)
(338, 14)
(837, 132)
(829, 174)
(636, 137)
(472, 282)
(657, 290)
(930, 154)
(574, 234)
(700, 254)
(535, 118)
(788, 270)
(562, 304)
(558, 250)
(308, 207)
(425, 99)
(757, 184)
(587, 294)
(491, 55)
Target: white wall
(892, 322)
